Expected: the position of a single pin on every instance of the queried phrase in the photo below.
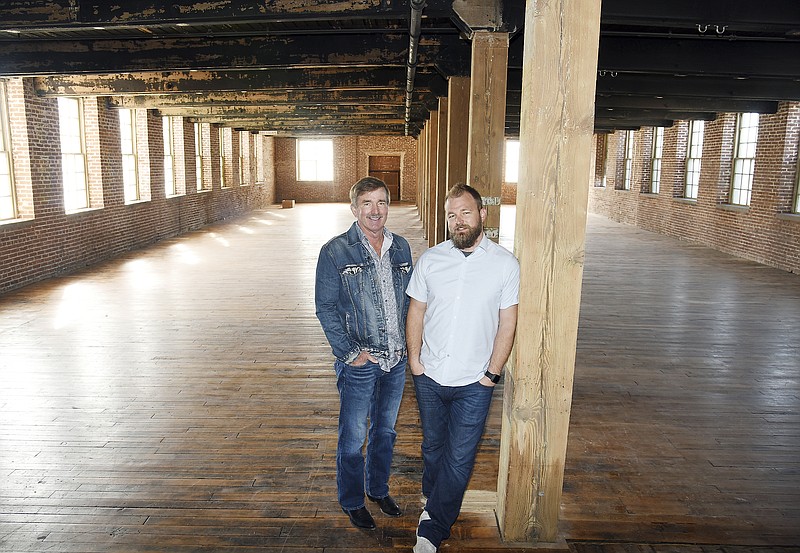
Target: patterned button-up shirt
(383, 264)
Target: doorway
(387, 168)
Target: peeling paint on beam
(36, 57)
(209, 81)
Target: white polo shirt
(464, 295)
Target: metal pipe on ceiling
(415, 29)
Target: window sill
(19, 221)
(137, 202)
(734, 208)
(79, 212)
(688, 201)
(793, 217)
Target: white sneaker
(423, 516)
(424, 545)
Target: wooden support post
(422, 175)
(487, 120)
(441, 172)
(457, 130)
(559, 70)
(433, 172)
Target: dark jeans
(366, 392)
(453, 419)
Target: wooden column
(559, 70)
(422, 184)
(441, 172)
(433, 172)
(457, 130)
(487, 119)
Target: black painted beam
(761, 16)
(40, 13)
(700, 56)
(30, 57)
(215, 81)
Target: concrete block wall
(45, 241)
(766, 231)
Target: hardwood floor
(181, 398)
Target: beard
(467, 239)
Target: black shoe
(388, 506)
(360, 518)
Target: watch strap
(495, 378)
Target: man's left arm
(503, 342)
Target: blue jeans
(453, 419)
(364, 392)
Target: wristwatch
(495, 378)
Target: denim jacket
(348, 295)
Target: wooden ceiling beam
(736, 16)
(37, 13)
(215, 81)
(687, 103)
(609, 83)
(372, 97)
(74, 57)
(282, 110)
(713, 56)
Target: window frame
(132, 155)
(244, 153)
(656, 158)
(302, 168)
(168, 131)
(694, 159)
(9, 195)
(222, 159)
(198, 154)
(743, 166)
(510, 153)
(257, 155)
(796, 208)
(627, 160)
(73, 159)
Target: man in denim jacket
(362, 305)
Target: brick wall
(351, 162)
(764, 232)
(46, 242)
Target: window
(198, 155)
(169, 157)
(315, 160)
(73, 153)
(259, 140)
(130, 176)
(8, 202)
(600, 163)
(627, 169)
(796, 208)
(244, 157)
(655, 159)
(693, 158)
(223, 165)
(744, 158)
(512, 161)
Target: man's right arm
(326, 297)
(416, 314)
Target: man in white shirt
(460, 329)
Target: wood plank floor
(181, 398)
